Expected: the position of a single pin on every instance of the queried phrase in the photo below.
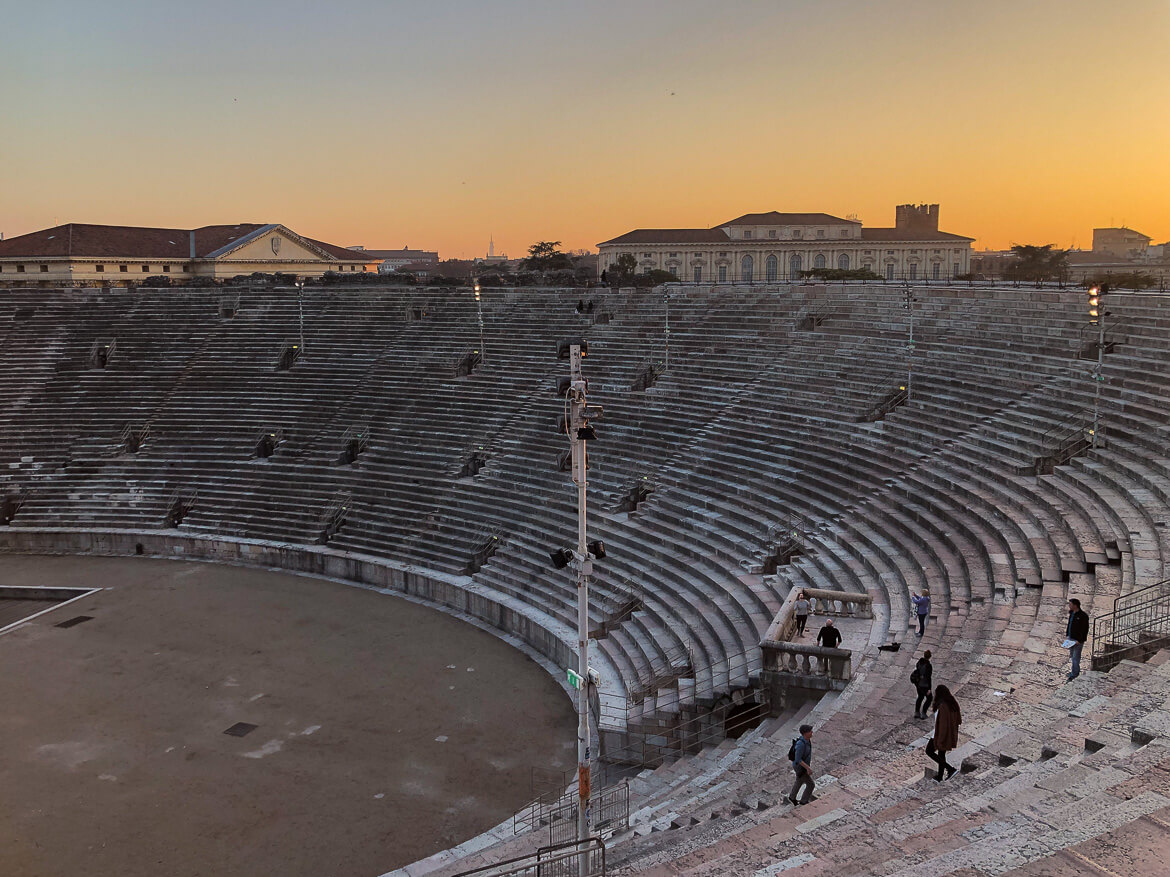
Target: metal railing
(1060, 443)
(1138, 626)
(609, 812)
(555, 860)
(702, 708)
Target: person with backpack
(947, 719)
(921, 680)
(1076, 633)
(921, 608)
(800, 753)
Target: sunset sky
(436, 124)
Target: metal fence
(584, 858)
(1138, 626)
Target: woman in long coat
(947, 719)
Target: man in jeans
(921, 607)
(800, 764)
(1078, 632)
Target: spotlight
(563, 385)
(565, 343)
(561, 557)
(562, 425)
(597, 549)
(587, 432)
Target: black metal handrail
(555, 860)
(1138, 625)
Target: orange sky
(436, 125)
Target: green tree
(621, 272)
(547, 256)
(1038, 263)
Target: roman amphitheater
(756, 441)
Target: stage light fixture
(563, 385)
(597, 548)
(565, 343)
(561, 558)
(587, 432)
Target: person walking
(947, 718)
(1076, 633)
(800, 609)
(921, 607)
(829, 637)
(921, 679)
(801, 765)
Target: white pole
(301, 312)
(1099, 374)
(584, 568)
(479, 311)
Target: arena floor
(385, 731)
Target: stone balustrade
(840, 604)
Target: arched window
(746, 266)
(794, 267)
(771, 269)
(843, 262)
(819, 261)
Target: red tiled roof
(84, 241)
(776, 218)
(909, 234)
(671, 236)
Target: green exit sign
(574, 678)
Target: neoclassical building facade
(779, 247)
(116, 255)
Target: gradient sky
(436, 124)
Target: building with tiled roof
(777, 247)
(80, 254)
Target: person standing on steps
(1076, 633)
(829, 637)
(800, 609)
(921, 607)
(947, 719)
(921, 679)
(801, 765)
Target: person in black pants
(921, 677)
(829, 637)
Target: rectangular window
(869, 252)
(937, 269)
(145, 269)
(44, 269)
(955, 270)
(820, 232)
(100, 269)
(772, 233)
(796, 232)
(19, 269)
(889, 252)
(646, 255)
(166, 269)
(889, 271)
(698, 274)
(723, 255)
(674, 255)
(936, 252)
(124, 268)
(844, 232)
(913, 252)
(722, 273)
(747, 235)
(698, 255)
(914, 271)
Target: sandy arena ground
(386, 730)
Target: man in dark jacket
(829, 637)
(921, 677)
(801, 766)
(1077, 631)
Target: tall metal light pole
(1097, 314)
(666, 329)
(479, 311)
(908, 304)
(301, 312)
(580, 431)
